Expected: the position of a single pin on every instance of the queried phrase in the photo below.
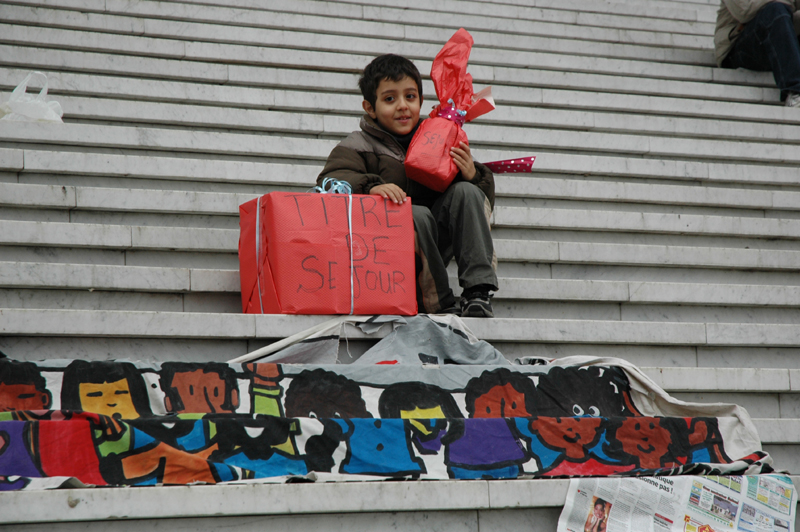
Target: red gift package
(295, 255)
(428, 160)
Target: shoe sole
(476, 310)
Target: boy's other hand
(389, 191)
(463, 159)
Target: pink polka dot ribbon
(511, 166)
(451, 113)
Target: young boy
(453, 223)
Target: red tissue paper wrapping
(294, 255)
(428, 160)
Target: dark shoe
(476, 305)
(454, 309)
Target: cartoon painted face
(422, 413)
(568, 433)
(108, 398)
(501, 401)
(645, 439)
(397, 105)
(22, 397)
(201, 392)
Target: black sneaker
(453, 309)
(476, 305)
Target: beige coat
(734, 14)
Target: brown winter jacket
(373, 157)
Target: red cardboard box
(295, 258)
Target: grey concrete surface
(659, 223)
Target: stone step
(113, 278)
(719, 380)
(778, 431)
(185, 239)
(624, 168)
(127, 20)
(98, 136)
(205, 203)
(574, 21)
(259, 46)
(654, 255)
(355, 506)
(676, 9)
(759, 405)
(538, 10)
(534, 187)
(80, 323)
(79, 163)
(162, 92)
(511, 117)
(576, 193)
(551, 165)
(106, 277)
(655, 174)
(312, 72)
(643, 222)
(475, 14)
(95, 136)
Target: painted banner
(122, 423)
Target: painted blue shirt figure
(378, 447)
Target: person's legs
(769, 43)
(433, 286)
(462, 217)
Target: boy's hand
(463, 159)
(389, 191)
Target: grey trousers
(456, 226)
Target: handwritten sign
(326, 252)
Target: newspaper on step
(756, 503)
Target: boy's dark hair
(389, 66)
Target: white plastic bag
(23, 107)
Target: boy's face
(397, 105)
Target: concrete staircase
(661, 223)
